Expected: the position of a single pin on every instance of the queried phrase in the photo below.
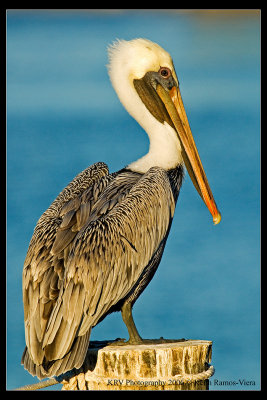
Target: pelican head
(144, 78)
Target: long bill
(175, 108)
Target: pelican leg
(126, 312)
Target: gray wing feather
(109, 254)
(44, 266)
(87, 252)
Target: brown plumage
(97, 246)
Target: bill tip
(217, 218)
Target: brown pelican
(98, 245)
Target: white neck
(165, 148)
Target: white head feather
(129, 60)
(136, 57)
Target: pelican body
(98, 245)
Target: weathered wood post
(177, 365)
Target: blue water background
(63, 115)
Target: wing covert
(109, 254)
(44, 267)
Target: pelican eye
(165, 72)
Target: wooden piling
(177, 365)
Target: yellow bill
(175, 108)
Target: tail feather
(73, 359)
